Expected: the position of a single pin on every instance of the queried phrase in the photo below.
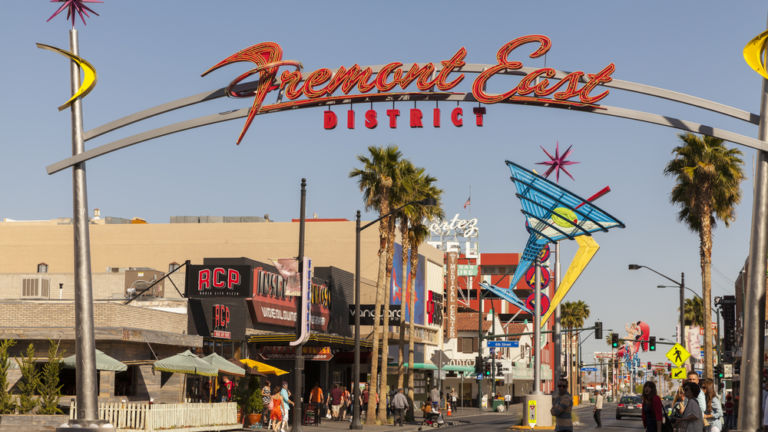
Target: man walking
(399, 404)
(434, 395)
(561, 408)
(599, 408)
(334, 400)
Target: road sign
(479, 377)
(466, 270)
(679, 373)
(532, 415)
(504, 344)
(678, 355)
(727, 370)
(589, 369)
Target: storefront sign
(367, 315)
(320, 297)
(305, 305)
(207, 281)
(538, 86)
(217, 318)
(451, 288)
(415, 116)
(269, 303)
(456, 227)
(312, 353)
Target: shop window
(42, 268)
(124, 382)
(466, 345)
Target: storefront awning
(263, 368)
(458, 368)
(426, 366)
(314, 337)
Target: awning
(314, 337)
(425, 366)
(224, 365)
(458, 368)
(103, 362)
(186, 363)
(263, 368)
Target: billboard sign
(209, 281)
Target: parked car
(629, 405)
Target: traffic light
(598, 330)
(487, 369)
(614, 340)
(649, 365)
(499, 369)
(652, 343)
(478, 365)
(669, 367)
(719, 371)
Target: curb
(519, 427)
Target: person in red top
(652, 409)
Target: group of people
(696, 407)
(277, 406)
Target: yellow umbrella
(263, 367)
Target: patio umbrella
(224, 365)
(103, 362)
(186, 363)
(263, 368)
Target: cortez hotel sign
(577, 89)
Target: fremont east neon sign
(324, 84)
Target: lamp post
(681, 285)
(356, 369)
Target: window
(498, 269)
(466, 345)
(35, 287)
(42, 268)
(173, 266)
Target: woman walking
(652, 408)
(714, 410)
(692, 419)
(276, 414)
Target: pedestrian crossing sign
(678, 355)
(679, 373)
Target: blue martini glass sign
(552, 213)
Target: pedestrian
(399, 405)
(714, 410)
(693, 377)
(729, 417)
(228, 386)
(287, 402)
(562, 403)
(652, 409)
(692, 419)
(678, 403)
(507, 400)
(346, 402)
(316, 400)
(334, 400)
(598, 408)
(266, 399)
(276, 413)
(434, 394)
(364, 396)
(454, 398)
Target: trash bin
(498, 403)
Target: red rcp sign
(207, 281)
(538, 86)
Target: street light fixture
(356, 424)
(675, 286)
(680, 285)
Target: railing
(142, 416)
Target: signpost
(679, 373)
(532, 413)
(678, 355)
(504, 344)
(589, 369)
(467, 270)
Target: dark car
(629, 405)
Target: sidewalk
(460, 416)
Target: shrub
(30, 380)
(50, 390)
(7, 405)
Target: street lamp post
(681, 285)
(356, 424)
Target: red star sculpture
(557, 162)
(75, 7)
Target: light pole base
(86, 426)
(356, 425)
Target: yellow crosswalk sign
(678, 355)
(678, 373)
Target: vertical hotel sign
(305, 306)
(451, 285)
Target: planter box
(31, 422)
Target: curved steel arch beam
(468, 68)
(467, 97)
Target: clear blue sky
(151, 52)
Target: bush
(7, 405)
(248, 396)
(30, 380)
(50, 390)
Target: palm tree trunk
(380, 279)
(705, 254)
(382, 414)
(412, 315)
(403, 292)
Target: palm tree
(693, 312)
(708, 176)
(573, 315)
(375, 181)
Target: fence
(142, 416)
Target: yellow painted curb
(517, 427)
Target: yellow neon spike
(89, 74)
(754, 53)
(587, 249)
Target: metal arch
(466, 97)
(468, 68)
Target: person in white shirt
(507, 401)
(598, 408)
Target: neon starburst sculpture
(75, 7)
(557, 162)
